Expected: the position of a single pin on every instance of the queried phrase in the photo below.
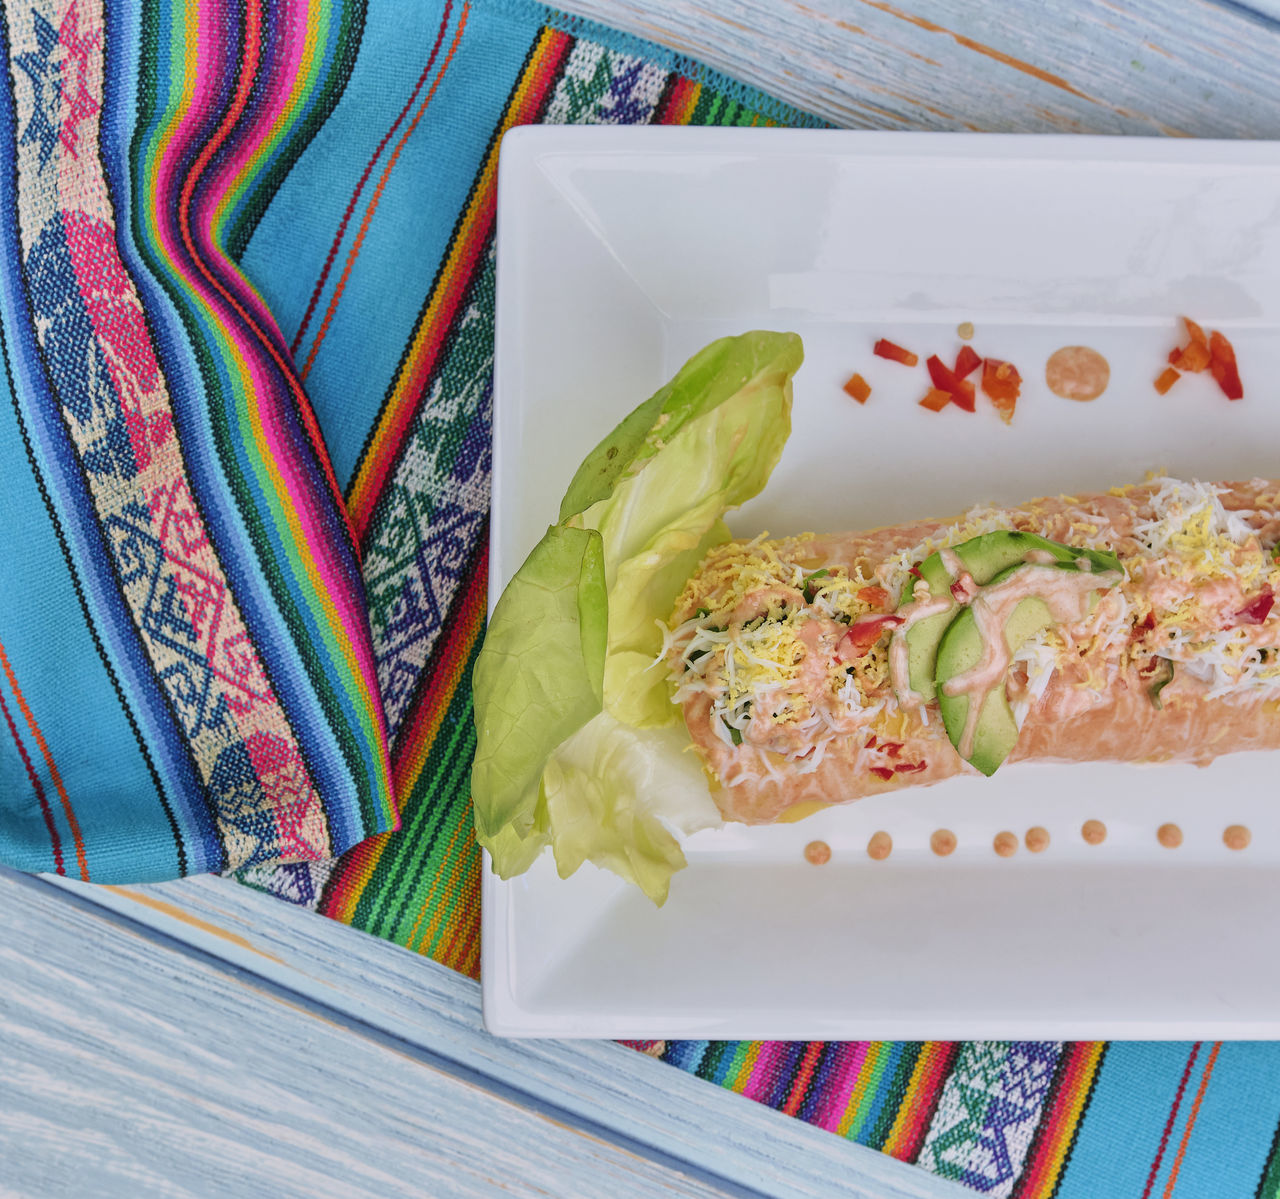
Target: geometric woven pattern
(191, 565)
(247, 302)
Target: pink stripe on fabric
(841, 1080)
(115, 315)
(116, 319)
(298, 482)
(289, 37)
(764, 1073)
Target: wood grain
(130, 1069)
(199, 1039)
(380, 992)
(1194, 68)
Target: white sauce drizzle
(899, 659)
(950, 561)
(1065, 592)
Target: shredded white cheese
(780, 691)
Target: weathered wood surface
(1193, 68)
(168, 1036)
(133, 1069)
(198, 1039)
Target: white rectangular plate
(620, 253)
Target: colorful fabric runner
(247, 301)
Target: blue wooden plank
(380, 992)
(1199, 68)
(136, 1067)
(1196, 67)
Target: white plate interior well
(621, 252)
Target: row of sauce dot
(943, 841)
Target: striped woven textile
(246, 297)
(189, 680)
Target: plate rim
(520, 151)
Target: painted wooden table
(200, 1039)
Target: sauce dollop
(1094, 832)
(817, 853)
(1037, 839)
(1236, 836)
(943, 842)
(879, 847)
(1077, 373)
(1005, 844)
(1169, 835)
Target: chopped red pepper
(1146, 624)
(909, 767)
(862, 635)
(936, 399)
(1223, 365)
(1196, 354)
(961, 392)
(892, 748)
(967, 361)
(895, 353)
(871, 741)
(1257, 609)
(964, 588)
(858, 388)
(883, 772)
(1002, 384)
(915, 570)
(877, 597)
(1168, 377)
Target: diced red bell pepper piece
(944, 378)
(1196, 354)
(862, 635)
(967, 361)
(1168, 377)
(1192, 358)
(858, 388)
(894, 353)
(877, 597)
(882, 772)
(936, 399)
(1257, 609)
(909, 767)
(1223, 365)
(1002, 385)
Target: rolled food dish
(1134, 626)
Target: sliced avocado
(961, 649)
(922, 637)
(984, 558)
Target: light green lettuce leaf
(614, 792)
(539, 677)
(570, 710)
(658, 523)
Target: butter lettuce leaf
(613, 794)
(539, 677)
(577, 738)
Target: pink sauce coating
(1065, 592)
